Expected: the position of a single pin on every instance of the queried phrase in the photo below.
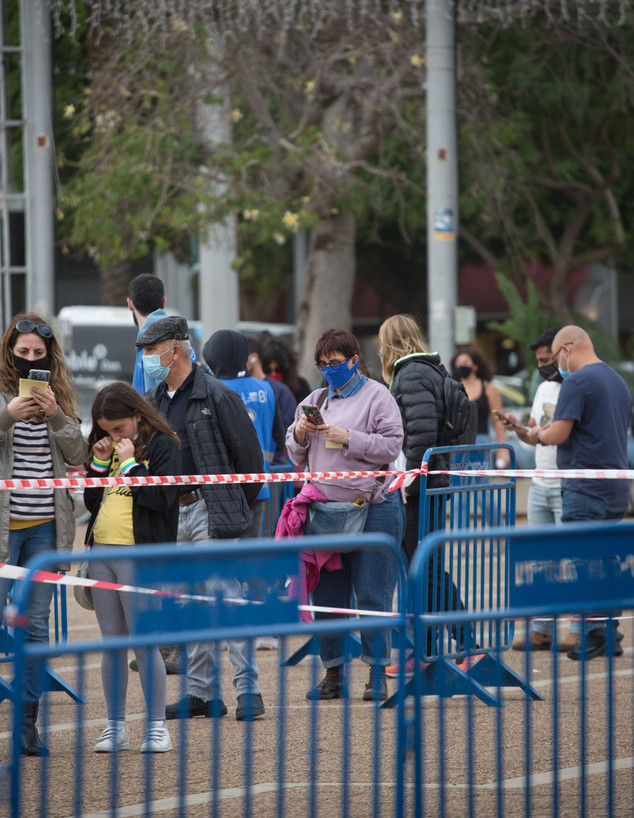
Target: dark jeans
(372, 575)
(25, 543)
(444, 596)
(577, 507)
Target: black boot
(376, 688)
(329, 687)
(31, 744)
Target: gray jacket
(67, 446)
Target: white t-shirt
(543, 412)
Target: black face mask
(550, 373)
(463, 371)
(23, 365)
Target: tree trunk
(558, 286)
(115, 281)
(328, 286)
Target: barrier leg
(491, 671)
(311, 648)
(51, 680)
(444, 678)
(6, 691)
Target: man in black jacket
(217, 437)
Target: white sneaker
(157, 738)
(114, 737)
(267, 643)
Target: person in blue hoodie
(146, 302)
(226, 353)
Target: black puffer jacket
(223, 440)
(418, 390)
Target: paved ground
(214, 750)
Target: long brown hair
(399, 335)
(120, 400)
(61, 378)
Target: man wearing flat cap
(217, 437)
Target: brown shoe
(535, 641)
(568, 642)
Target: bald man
(590, 430)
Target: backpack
(459, 425)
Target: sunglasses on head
(26, 326)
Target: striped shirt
(31, 459)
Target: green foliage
(547, 143)
(304, 141)
(527, 320)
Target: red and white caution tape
(16, 572)
(402, 477)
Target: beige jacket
(67, 446)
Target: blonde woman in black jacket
(415, 378)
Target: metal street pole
(38, 155)
(442, 176)
(219, 292)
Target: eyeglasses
(274, 369)
(334, 365)
(26, 326)
(555, 357)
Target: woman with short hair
(361, 431)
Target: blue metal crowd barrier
(467, 502)
(302, 757)
(572, 753)
(51, 680)
(456, 579)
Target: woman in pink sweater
(362, 430)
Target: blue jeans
(372, 574)
(577, 507)
(544, 504)
(202, 678)
(25, 543)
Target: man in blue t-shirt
(590, 430)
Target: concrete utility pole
(442, 176)
(219, 291)
(37, 78)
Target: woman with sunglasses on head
(39, 435)
(361, 431)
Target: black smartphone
(39, 375)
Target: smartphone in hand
(313, 415)
(522, 427)
(39, 375)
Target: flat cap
(173, 327)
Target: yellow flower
(251, 215)
(291, 220)
(397, 16)
(236, 115)
(69, 112)
(278, 237)
(416, 60)
(309, 88)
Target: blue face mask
(339, 376)
(564, 372)
(153, 367)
